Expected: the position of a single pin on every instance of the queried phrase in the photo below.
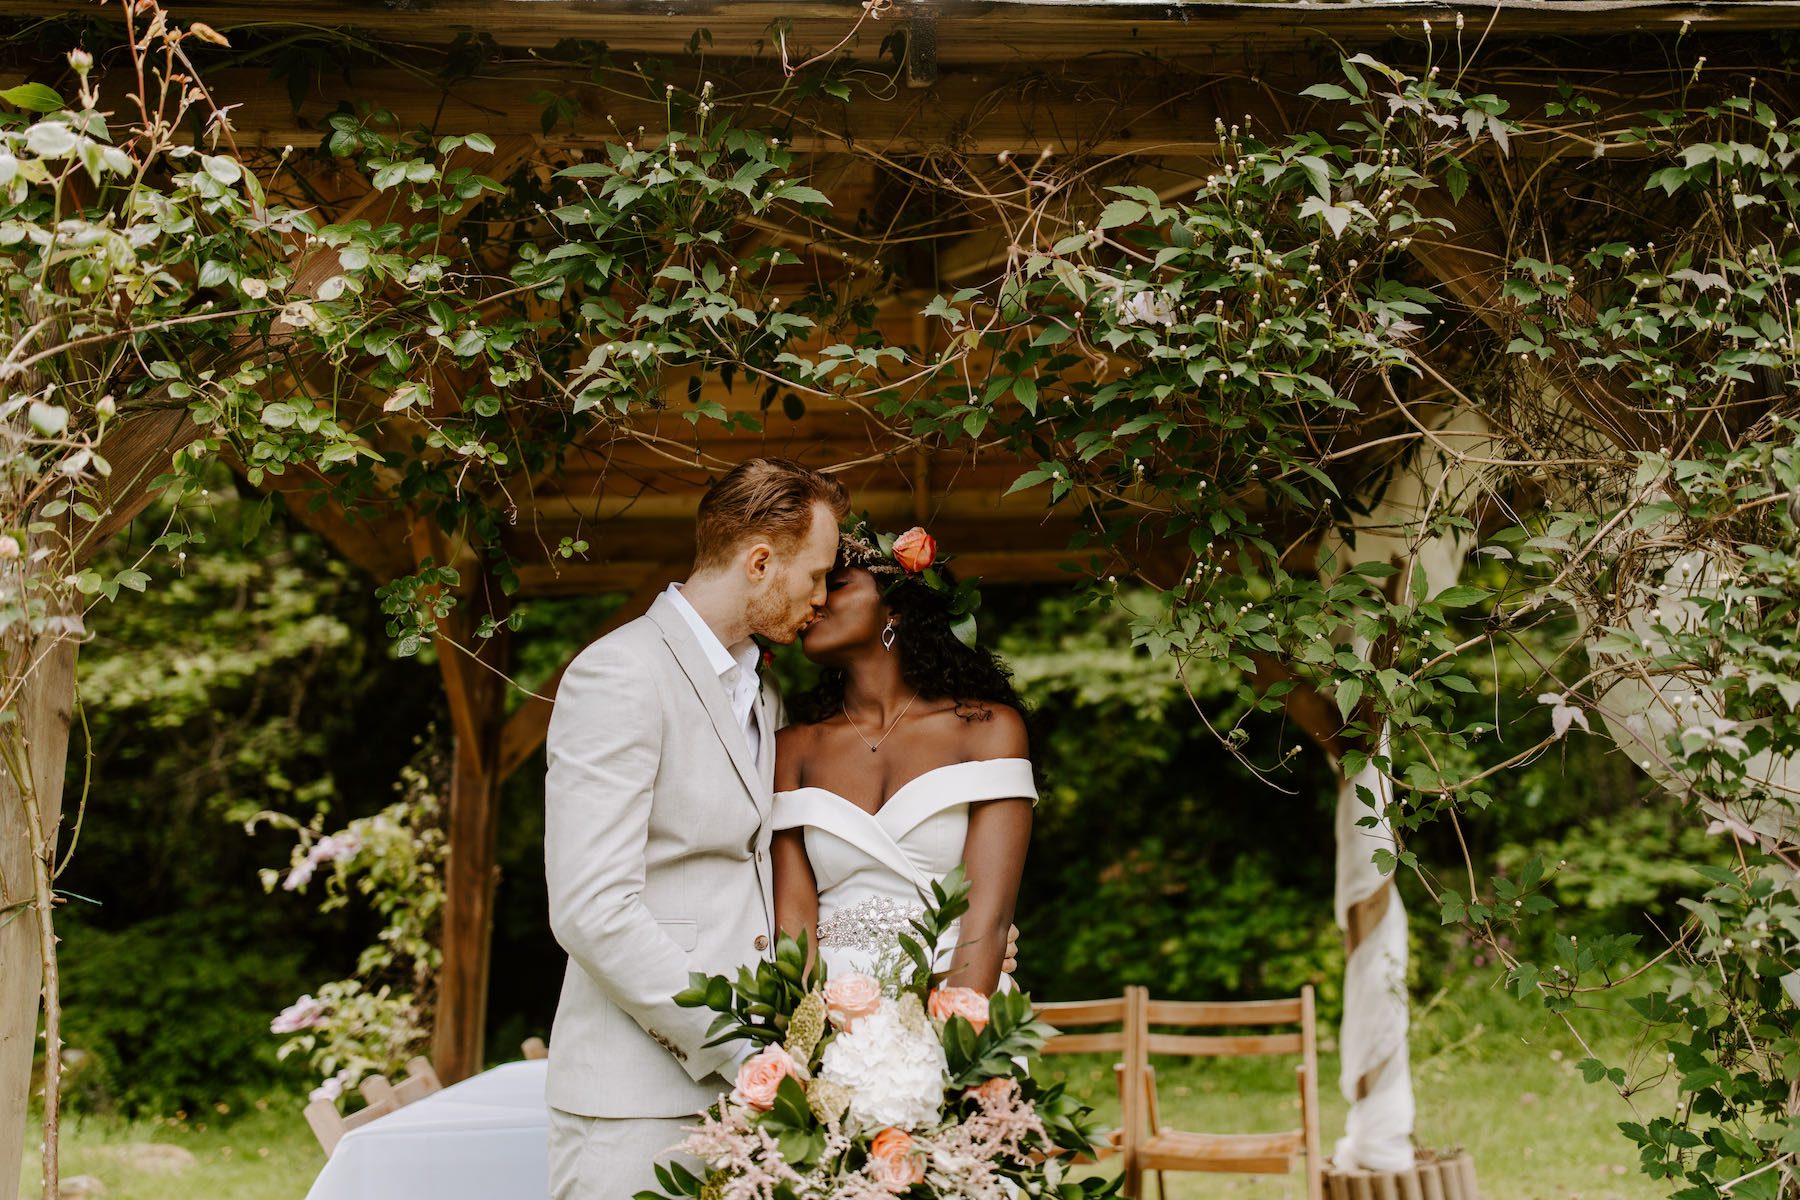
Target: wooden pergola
(1132, 90)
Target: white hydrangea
(895, 1075)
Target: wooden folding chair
(1153, 1148)
(330, 1126)
(1090, 1014)
(382, 1097)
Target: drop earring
(888, 635)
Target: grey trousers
(611, 1158)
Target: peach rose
(760, 1076)
(892, 1162)
(963, 1002)
(915, 550)
(850, 998)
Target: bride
(908, 758)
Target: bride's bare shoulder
(992, 730)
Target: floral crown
(895, 559)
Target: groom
(662, 759)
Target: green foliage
(162, 1039)
(1248, 376)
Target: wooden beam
(41, 736)
(971, 30)
(474, 686)
(530, 723)
(380, 546)
(141, 451)
(1053, 106)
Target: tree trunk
(46, 704)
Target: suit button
(762, 942)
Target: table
(485, 1138)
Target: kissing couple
(689, 823)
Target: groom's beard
(770, 614)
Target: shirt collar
(743, 656)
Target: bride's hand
(1011, 962)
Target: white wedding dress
(872, 867)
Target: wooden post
(475, 687)
(45, 707)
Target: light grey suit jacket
(656, 848)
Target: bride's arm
(796, 891)
(994, 860)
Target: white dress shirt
(736, 668)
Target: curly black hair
(932, 662)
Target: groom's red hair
(766, 499)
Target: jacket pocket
(685, 934)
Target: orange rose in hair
(915, 550)
(967, 1003)
(892, 1161)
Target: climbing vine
(1354, 439)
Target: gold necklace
(884, 737)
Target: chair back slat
(369, 1114)
(1066, 1013)
(376, 1088)
(1197, 1045)
(419, 1067)
(1085, 1043)
(1198, 1013)
(327, 1124)
(421, 1080)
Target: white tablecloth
(485, 1138)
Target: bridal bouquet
(867, 1088)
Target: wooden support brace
(474, 686)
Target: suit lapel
(707, 686)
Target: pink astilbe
(749, 1156)
(966, 1159)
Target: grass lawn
(1489, 1078)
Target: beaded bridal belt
(871, 924)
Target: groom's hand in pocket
(1011, 963)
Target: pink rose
(850, 998)
(893, 1163)
(760, 1076)
(915, 550)
(963, 1002)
